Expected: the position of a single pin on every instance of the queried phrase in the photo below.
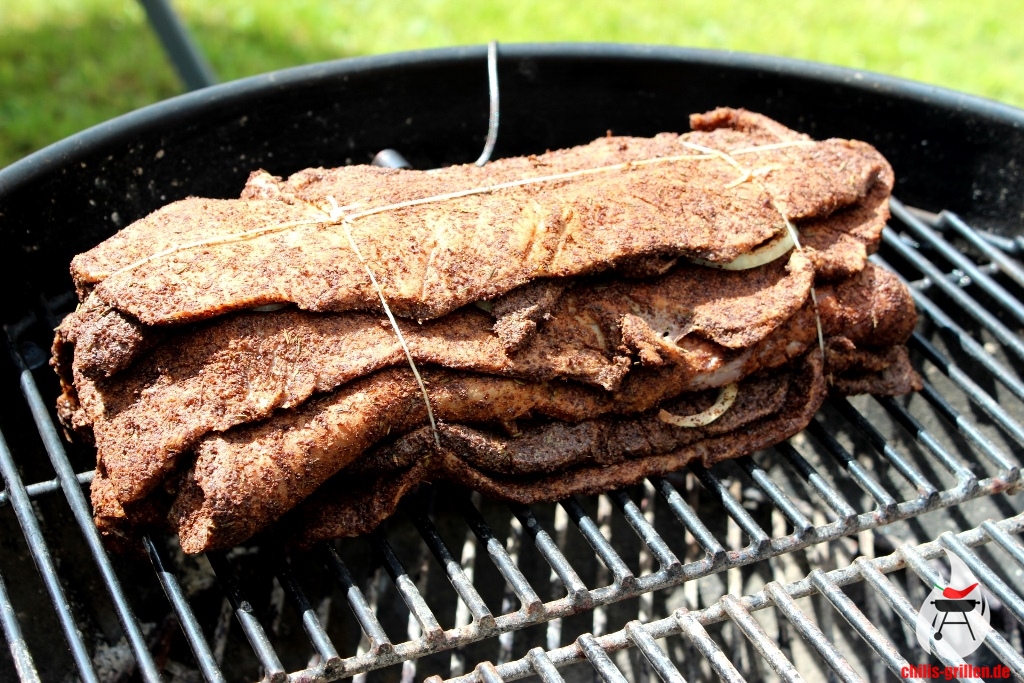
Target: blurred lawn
(67, 64)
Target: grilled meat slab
(231, 361)
(250, 475)
(242, 368)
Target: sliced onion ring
(726, 396)
(764, 254)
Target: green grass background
(68, 64)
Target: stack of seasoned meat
(578, 320)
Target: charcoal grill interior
(809, 559)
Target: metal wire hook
(492, 88)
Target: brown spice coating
(434, 258)
(110, 341)
(797, 195)
(241, 368)
(560, 446)
(840, 244)
(440, 256)
(98, 341)
(359, 498)
(546, 462)
(120, 524)
(873, 307)
(520, 311)
(694, 364)
(608, 454)
(890, 375)
(265, 469)
(167, 414)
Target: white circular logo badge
(955, 616)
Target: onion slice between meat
(726, 397)
(764, 254)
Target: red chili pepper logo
(953, 594)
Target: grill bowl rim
(179, 108)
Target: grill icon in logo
(956, 615)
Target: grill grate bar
(578, 594)
(329, 658)
(1007, 245)
(995, 454)
(845, 513)
(776, 659)
(488, 673)
(886, 503)
(460, 581)
(244, 612)
(44, 563)
(23, 663)
(379, 642)
(1004, 541)
(623, 575)
(530, 603)
(966, 302)
(956, 277)
(966, 479)
(997, 256)
(83, 516)
(968, 344)
(811, 633)
(899, 603)
(407, 589)
(601, 662)
(695, 631)
(42, 488)
(186, 617)
(667, 559)
(687, 516)
(975, 393)
(868, 631)
(692, 623)
(463, 616)
(543, 666)
(987, 578)
(759, 541)
(801, 524)
(925, 489)
(921, 231)
(654, 654)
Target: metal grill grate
(861, 465)
(783, 598)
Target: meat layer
(266, 468)
(245, 368)
(186, 263)
(242, 368)
(547, 461)
(221, 419)
(591, 457)
(109, 341)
